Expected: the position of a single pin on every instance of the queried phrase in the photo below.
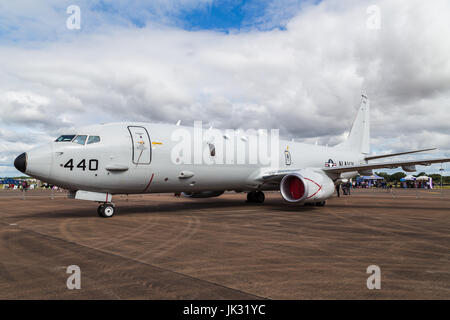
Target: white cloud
(304, 80)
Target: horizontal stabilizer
(397, 154)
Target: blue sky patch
(46, 20)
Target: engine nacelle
(367, 172)
(409, 168)
(202, 194)
(307, 185)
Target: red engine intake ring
(294, 188)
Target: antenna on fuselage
(178, 122)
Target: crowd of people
(25, 185)
(365, 184)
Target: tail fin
(359, 137)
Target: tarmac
(165, 247)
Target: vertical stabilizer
(359, 137)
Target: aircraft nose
(21, 162)
(38, 161)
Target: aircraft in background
(97, 162)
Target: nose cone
(21, 162)
(39, 161)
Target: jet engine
(202, 194)
(409, 168)
(307, 185)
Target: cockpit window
(93, 139)
(65, 138)
(81, 139)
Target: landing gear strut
(106, 210)
(255, 197)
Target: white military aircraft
(95, 163)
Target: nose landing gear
(106, 210)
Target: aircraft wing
(388, 165)
(396, 154)
(273, 177)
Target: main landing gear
(317, 204)
(255, 197)
(106, 210)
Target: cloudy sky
(296, 65)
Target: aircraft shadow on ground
(173, 208)
(190, 207)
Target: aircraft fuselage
(138, 158)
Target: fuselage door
(142, 149)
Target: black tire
(251, 196)
(321, 204)
(260, 197)
(107, 210)
(99, 210)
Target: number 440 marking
(93, 165)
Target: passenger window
(80, 139)
(93, 139)
(65, 138)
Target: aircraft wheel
(106, 210)
(255, 197)
(321, 203)
(260, 197)
(99, 210)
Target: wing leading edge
(397, 154)
(388, 165)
